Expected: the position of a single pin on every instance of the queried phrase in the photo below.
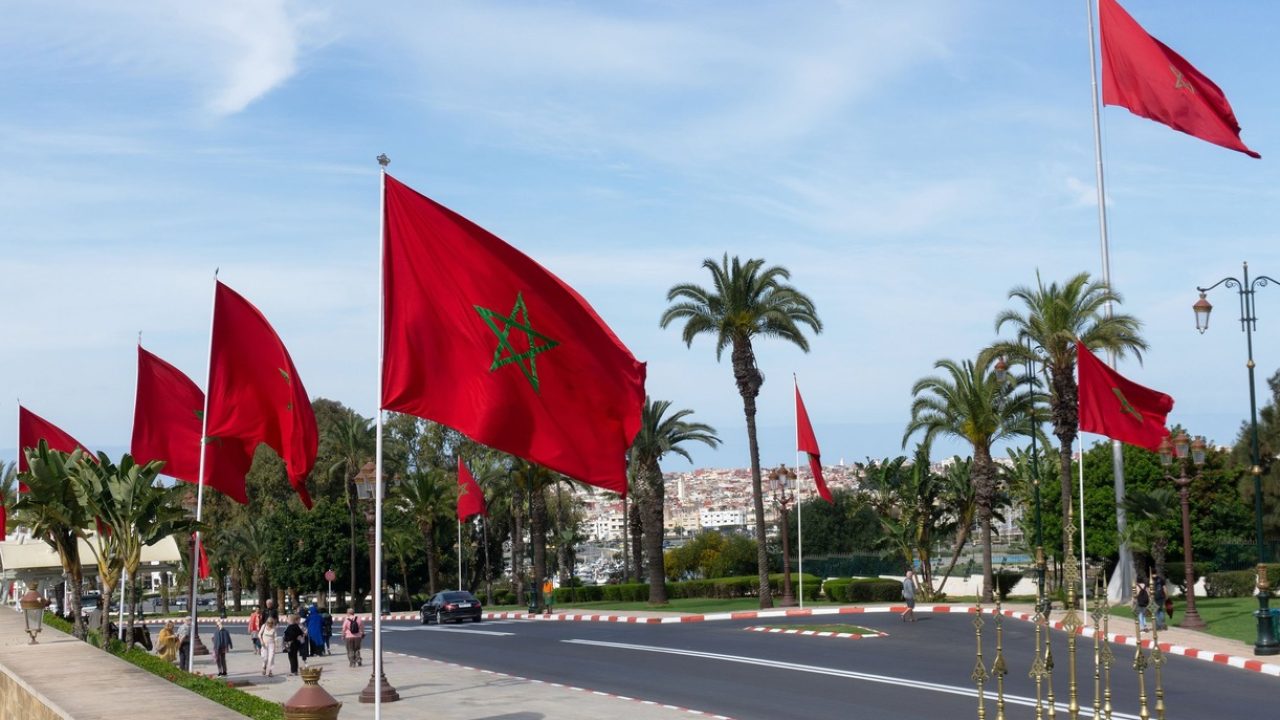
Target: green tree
(1054, 318)
(907, 496)
(712, 554)
(970, 403)
(1268, 451)
(352, 440)
(848, 524)
(302, 544)
(746, 300)
(659, 435)
(53, 510)
(427, 497)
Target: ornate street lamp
(782, 483)
(33, 612)
(366, 482)
(1265, 642)
(1190, 618)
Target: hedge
(860, 590)
(718, 588)
(214, 689)
(1238, 583)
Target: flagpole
(377, 679)
(204, 431)
(459, 555)
(1125, 565)
(799, 504)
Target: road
(919, 670)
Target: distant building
(722, 518)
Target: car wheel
(475, 619)
(439, 618)
(426, 619)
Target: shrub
(833, 589)
(214, 689)
(1005, 580)
(861, 590)
(1237, 583)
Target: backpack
(354, 626)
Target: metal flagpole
(799, 503)
(204, 431)
(17, 488)
(1084, 572)
(459, 555)
(383, 160)
(1118, 590)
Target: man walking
(353, 634)
(909, 594)
(221, 646)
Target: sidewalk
(429, 688)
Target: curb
(597, 693)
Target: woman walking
(353, 635)
(294, 639)
(267, 636)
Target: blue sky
(908, 162)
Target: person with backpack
(1142, 600)
(353, 634)
(1158, 594)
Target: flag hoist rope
(204, 430)
(377, 491)
(1125, 565)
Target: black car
(455, 605)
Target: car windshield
(457, 597)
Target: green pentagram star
(505, 354)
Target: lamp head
(1166, 452)
(1202, 308)
(1197, 450)
(1181, 445)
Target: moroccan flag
(32, 429)
(479, 337)
(202, 562)
(166, 426)
(807, 443)
(470, 496)
(1144, 75)
(255, 394)
(1119, 408)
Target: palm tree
(56, 515)
(745, 300)
(970, 403)
(427, 497)
(1053, 318)
(1151, 510)
(957, 495)
(8, 486)
(660, 434)
(355, 442)
(401, 543)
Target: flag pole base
(198, 648)
(389, 693)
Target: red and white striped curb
(818, 633)
(566, 687)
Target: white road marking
(466, 630)
(852, 675)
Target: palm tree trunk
(985, 492)
(748, 379)
(351, 524)
(538, 535)
(433, 559)
(1065, 427)
(652, 514)
(962, 537)
(636, 528)
(517, 544)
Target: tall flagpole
(204, 431)
(799, 504)
(378, 678)
(459, 555)
(1118, 589)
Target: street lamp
(1265, 642)
(1190, 618)
(33, 612)
(782, 483)
(366, 482)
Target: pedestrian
(548, 595)
(268, 638)
(1143, 600)
(326, 630)
(221, 646)
(353, 635)
(909, 594)
(1160, 597)
(255, 624)
(294, 642)
(271, 611)
(184, 643)
(315, 630)
(167, 643)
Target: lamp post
(33, 612)
(1265, 642)
(782, 483)
(1190, 618)
(366, 488)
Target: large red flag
(470, 496)
(479, 337)
(1119, 408)
(1144, 75)
(807, 443)
(255, 394)
(166, 426)
(32, 429)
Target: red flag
(32, 429)
(203, 564)
(166, 426)
(1119, 408)
(4, 520)
(470, 496)
(255, 394)
(807, 443)
(479, 337)
(1144, 75)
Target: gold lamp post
(782, 483)
(366, 488)
(33, 612)
(1190, 618)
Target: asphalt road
(919, 670)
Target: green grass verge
(1230, 618)
(688, 605)
(839, 629)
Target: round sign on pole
(330, 575)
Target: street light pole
(1190, 617)
(1265, 642)
(781, 482)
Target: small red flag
(470, 496)
(32, 429)
(1119, 408)
(1146, 76)
(479, 337)
(255, 394)
(167, 424)
(807, 442)
(4, 519)
(203, 565)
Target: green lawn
(1226, 617)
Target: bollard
(311, 702)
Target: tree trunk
(985, 491)
(636, 529)
(237, 588)
(351, 523)
(652, 514)
(164, 592)
(221, 593)
(517, 544)
(749, 380)
(538, 536)
(626, 540)
(1065, 420)
(433, 557)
